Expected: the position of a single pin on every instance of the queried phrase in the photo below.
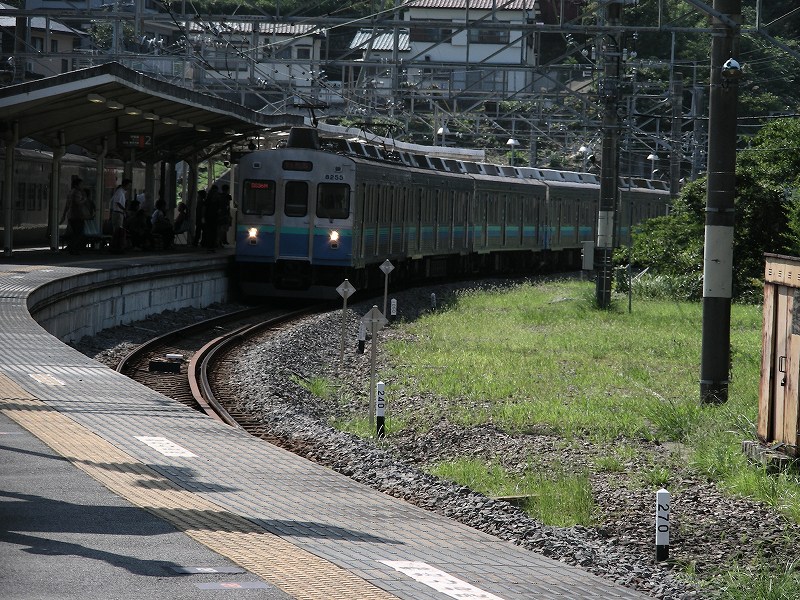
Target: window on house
(479, 35)
(431, 31)
(303, 53)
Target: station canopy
(137, 115)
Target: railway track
(180, 364)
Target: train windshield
(333, 201)
(296, 200)
(258, 197)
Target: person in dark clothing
(198, 215)
(211, 219)
(137, 226)
(182, 220)
(76, 212)
(160, 225)
(224, 214)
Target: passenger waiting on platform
(211, 219)
(161, 226)
(76, 212)
(198, 217)
(119, 203)
(137, 226)
(182, 219)
(225, 221)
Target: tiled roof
(474, 4)
(382, 40)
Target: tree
(767, 207)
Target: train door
(402, 201)
(417, 218)
(556, 208)
(784, 365)
(293, 224)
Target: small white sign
(345, 289)
(387, 267)
(380, 399)
(439, 580)
(165, 446)
(374, 317)
(662, 517)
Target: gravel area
(708, 528)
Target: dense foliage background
(767, 204)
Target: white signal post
(345, 290)
(374, 321)
(662, 525)
(362, 337)
(387, 267)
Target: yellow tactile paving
(295, 571)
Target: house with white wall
(43, 46)
(273, 56)
(471, 46)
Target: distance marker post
(375, 320)
(380, 410)
(662, 525)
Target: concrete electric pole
(609, 168)
(718, 253)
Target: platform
(111, 490)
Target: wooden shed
(778, 398)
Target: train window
(295, 203)
(333, 201)
(258, 197)
(19, 203)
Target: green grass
(558, 498)
(761, 583)
(540, 358)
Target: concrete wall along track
(88, 300)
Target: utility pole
(676, 150)
(609, 168)
(718, 254)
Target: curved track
(178, 364)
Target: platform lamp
(652, 157)
(585, 152)
(512, 143)
(442, 131)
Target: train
(312, 212)
(32, 178)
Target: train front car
(294, 231)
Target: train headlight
(334, 239)
(252, 235)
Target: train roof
(307, 137)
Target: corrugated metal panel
(246, 27)
(382, 41)
(500, 5)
